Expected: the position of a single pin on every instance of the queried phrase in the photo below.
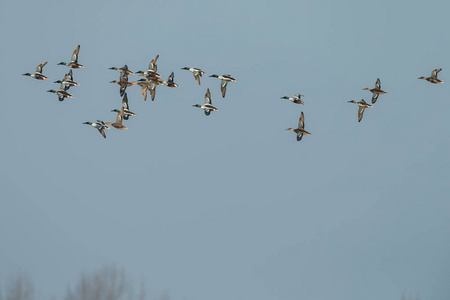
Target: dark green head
(214, 75)
(62, 63)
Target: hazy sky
(230, 206)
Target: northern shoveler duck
(62, 93)
(152, 69)
(100, 125)
(207, 106)
(296, 99)
(148, 74)
(124, 70)
(126, 108)
(376, 91)
(118, 124)
(300, 130)
(146, 85)
(67, 81)
(433, 78)
(362, 106)
(74, 62)
(123, 85)
(197, 73)
(149, 84)
(38, 74)
(170, 82)
(225, 79)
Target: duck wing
(223, 87)
(152, 88)
(69, 75)
(102, 132)
(120, 116)
(170, 79)
(378, 84)
(435, 72)
(301, 121)
(208, 97)
(374, 97)
(39, 67)
(125, 101)
(197, 77)
(152, 65)
(75, 54)
(360, 113)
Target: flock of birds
(152, 79)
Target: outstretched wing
(374, 97)
(75, 54)
(170, 79)
(69, 75)
(125, 101)
(39, 67)
(435, 72)
(207, 97)
(301, 121)
(152, 65)
(144, 91)
(120, 116)
(223, 87)
(102, 132)
(360, 113)
(152, 89)
(123, 87)
(197, 77)
(378, 84)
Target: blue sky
(230, 206)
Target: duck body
(126, 108)
(362, 106)
(148, 74)
(149, 84)
(74, 61)
(433, 78)
(296, 99)
(170, 82)
(100, 125)
(62, 94)
(224, 81)
(376, 91)
(123, 84)
(152, 69)
(207, 107)
(67, 81)
(124, 70)
(197, 73)
(118, 124)
(38, 74)
(300, 130)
